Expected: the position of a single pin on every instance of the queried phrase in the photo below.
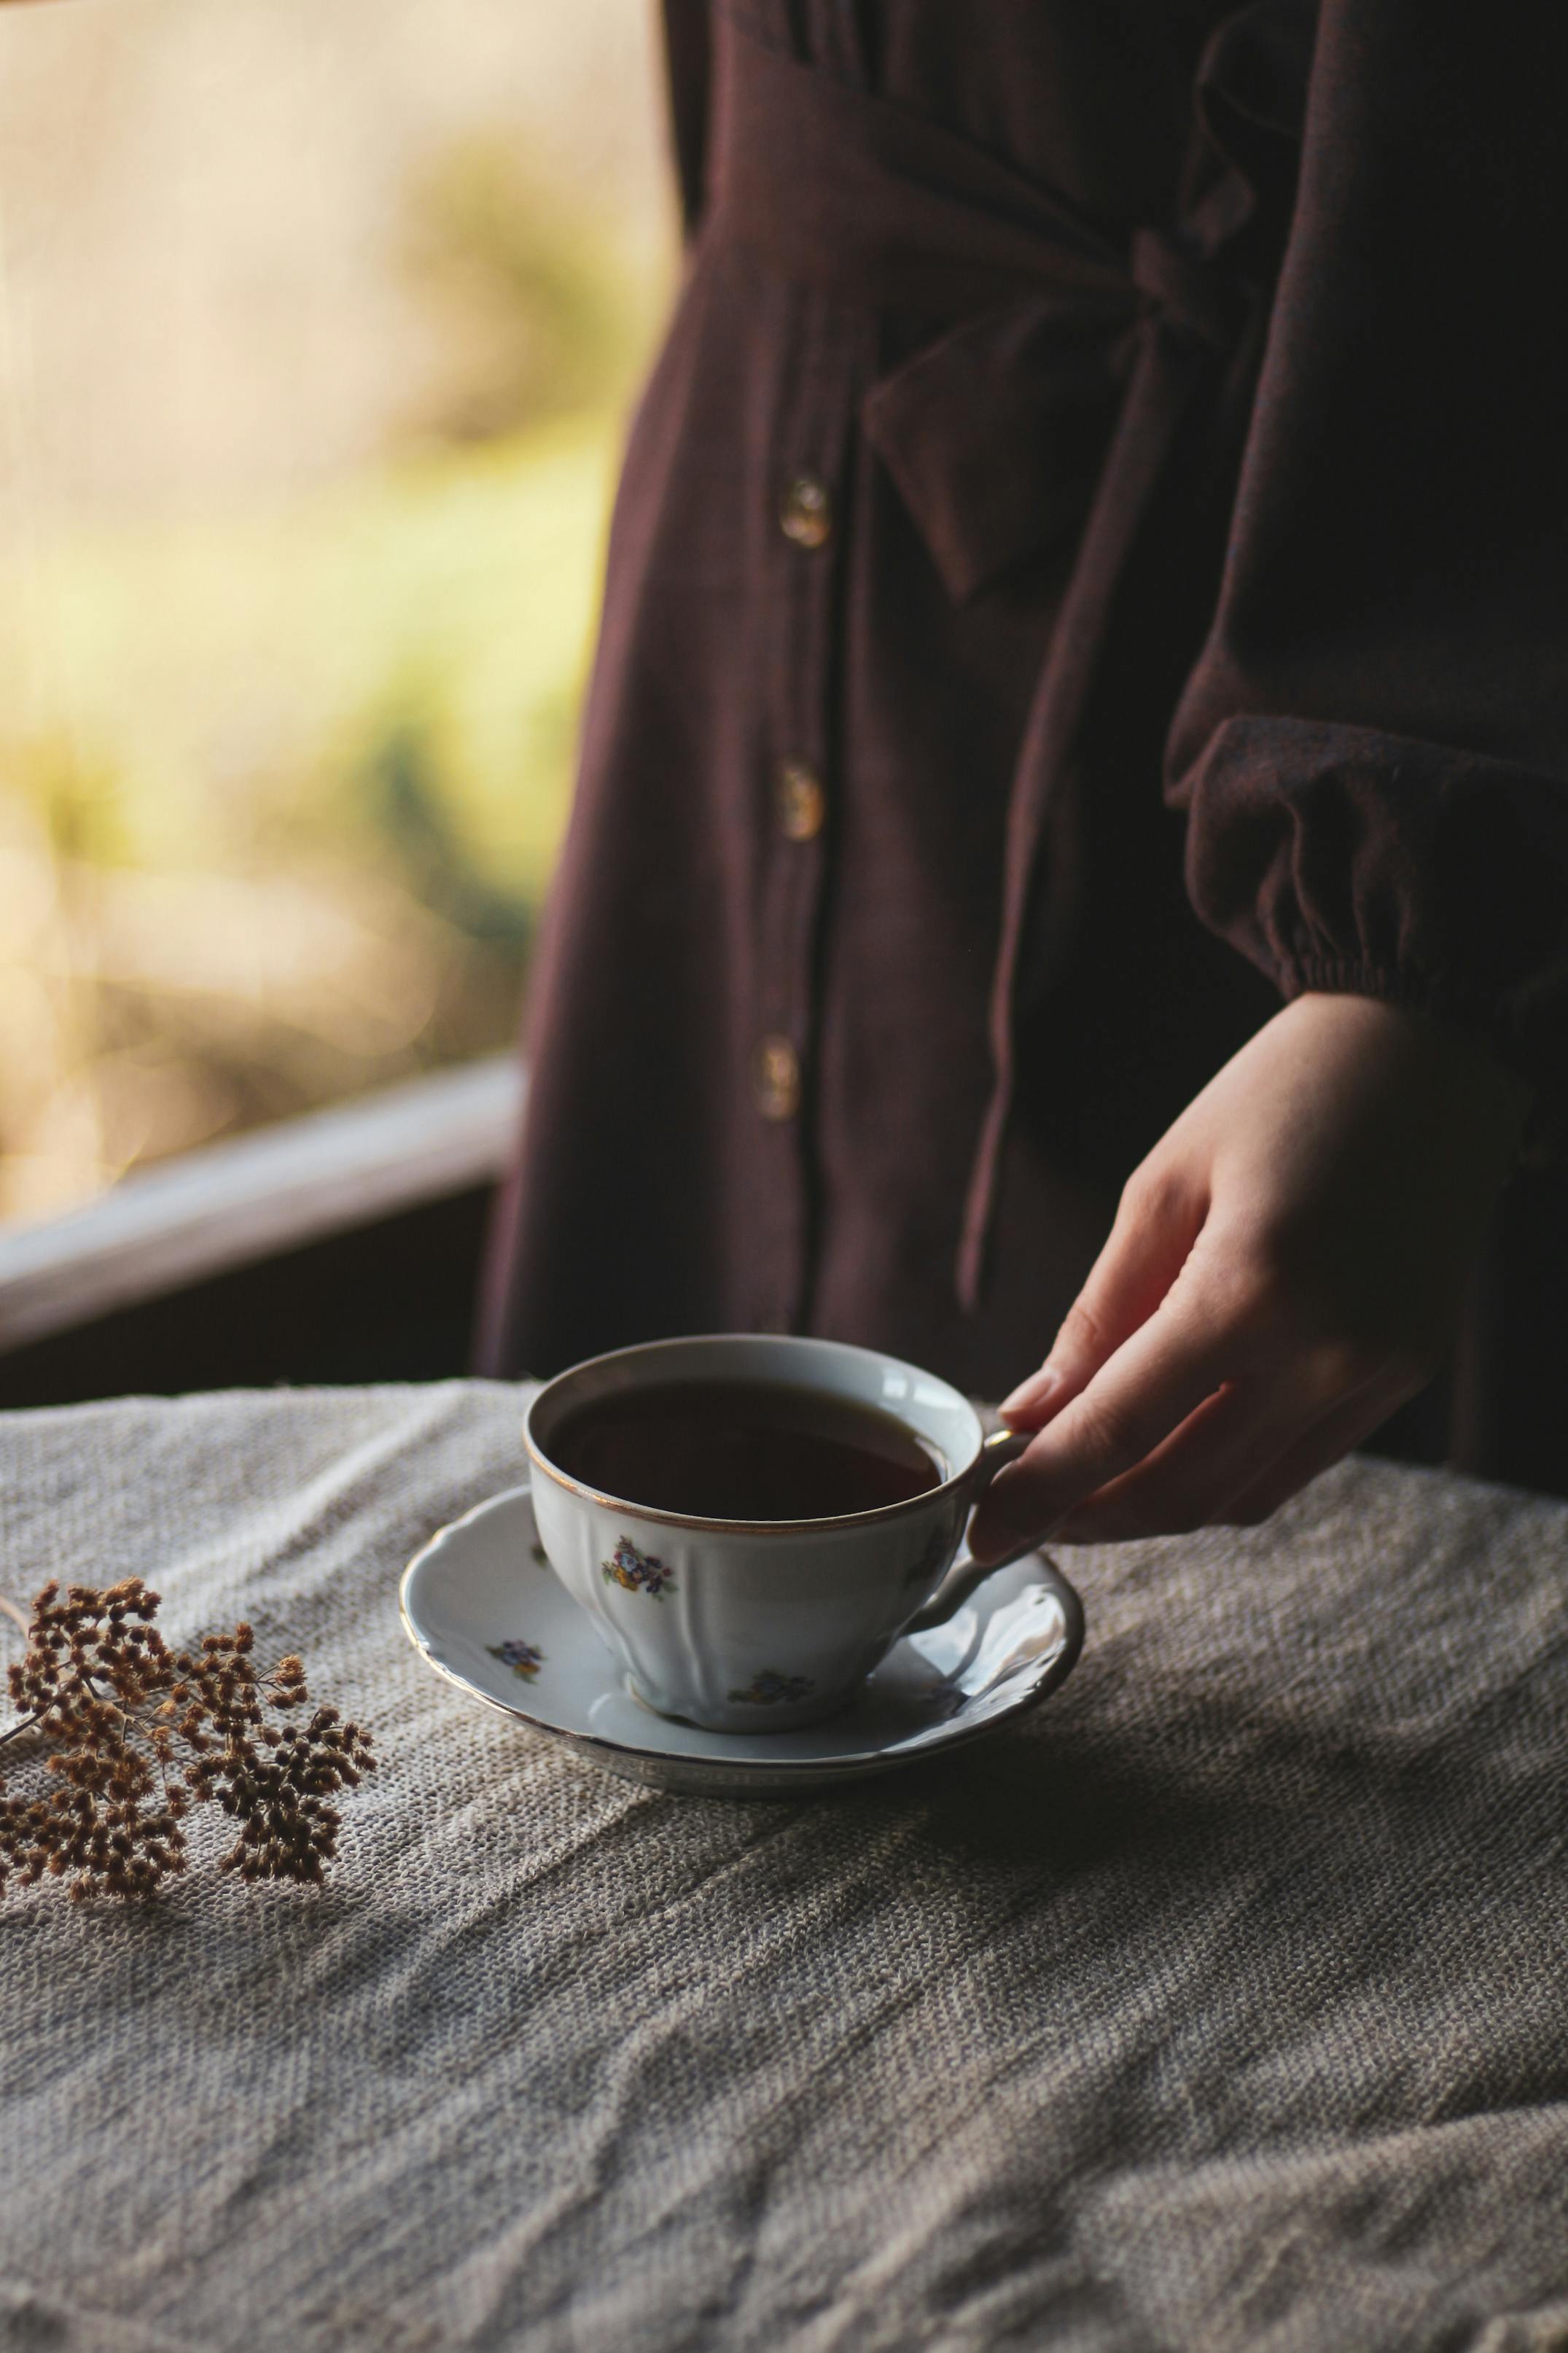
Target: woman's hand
(1286, 1267)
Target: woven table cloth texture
(1223, 2002)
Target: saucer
(483, 1607)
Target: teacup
(762, 1625)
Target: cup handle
(1004, 1445)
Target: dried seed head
(139, 1733)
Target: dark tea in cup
(745, 1450)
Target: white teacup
(761, 1625)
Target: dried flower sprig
(136, 1734)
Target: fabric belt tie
(1064, 360)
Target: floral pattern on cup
(520, 1657)
(638, 1572)
(768, 1687)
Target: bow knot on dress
(994, 430)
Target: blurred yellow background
(319, 320)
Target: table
(1222, 2003)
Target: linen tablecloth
(1223, 2002)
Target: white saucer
(484, 1607)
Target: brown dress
(1065, 399)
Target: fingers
(1335, 1436)
(1214, 1362)
(1164, 1372)
(1157, 1222)
(1232, 1463)
(1185, 1481)
(1220, 1405)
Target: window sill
(260, 1198)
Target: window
(317, 323)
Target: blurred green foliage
(283, 785)
(541, 306)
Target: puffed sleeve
(1372, 749)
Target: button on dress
(1088, 565)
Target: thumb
(1158, 1219)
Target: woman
(1062, 398)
